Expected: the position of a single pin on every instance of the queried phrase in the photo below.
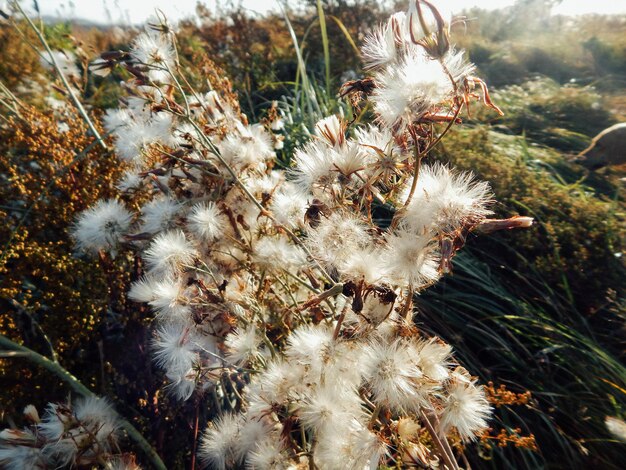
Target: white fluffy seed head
(314, 166)
(289, 206)
(349, 446)
(98, 416)
(175, 348)
(372, 136)
(268, 454)
(363, 265)
(328, 406)
(169, 253)
(168, 299)
(130, 181)
(156, 51)
(465, 406)
(458, 66)
(186, 353)
(309, 344)
(411, 260)
(54, 421)
(182, 385)
(115, 118)
(444, 200)
(332, 130)
(274, 386)
(142, 290)
(243, 345)
(337, 237)
(394, 376)
(90, 426)
(434, 359)
(406, 92)
(218, 448)
(251, 147)
(252, 431)
(379, 48)
(20, 457)
(351, 158)
(140, 132)
(102, 226)
(205, 221)
(277, 254)
(159, 214)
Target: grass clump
(563, 117)
(541, 310)
(575, 244)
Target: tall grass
(322, 20)
(517, 330)
(306, 102)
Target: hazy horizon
(116, 12)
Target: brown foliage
(17, 59)
(45, 183)
(258, 53)
(502, 396)
(505, 438)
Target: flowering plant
(279, 297)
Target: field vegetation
(535, 315)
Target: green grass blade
(322, 19)
(346, 33)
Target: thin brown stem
(407, 309)
(195, 436)
(375, 415)
(446, 443)
(339, 323)
(416, 172)
(448, 459)
(445, 131)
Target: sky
(137, 11)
